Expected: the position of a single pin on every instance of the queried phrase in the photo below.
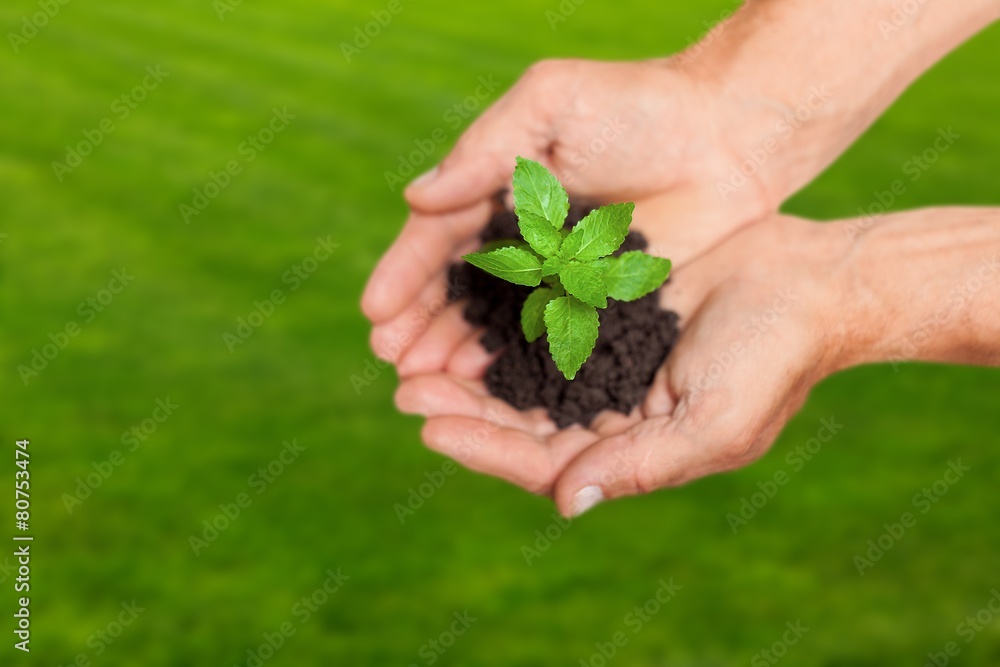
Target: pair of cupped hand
(758, 293)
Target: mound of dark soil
(635, 339)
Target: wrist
(785, 122)
(805, 263)
(921, 286)
(825, 268)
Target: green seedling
(573, 269)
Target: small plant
(578, 273)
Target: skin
(791, 302)
(674, 135)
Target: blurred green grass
(333, 507)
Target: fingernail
(586, 498)
(425, 178)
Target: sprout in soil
(573, 269)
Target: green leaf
(503, 243)
(572, 329)
(537, 192)
(540, 235)
(635, 274)
(599, 234)
(515, 265)
(585, 283)
(533, 312)
(552, 266)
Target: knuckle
(539, 476)
(401, 398)
(545, 73)
(430, 434)
(543, 69)
(376, 339)
(540, 485)
(622, 469)
(635, 461)
(651, 475)
(646, 480)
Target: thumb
(482, 161)
(461, 180)
(653, 454)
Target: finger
(439, 395)
(508, 453)
(424, 248)
(691, 285)
(660, 400)
(706, 434)
(391, 340)
(464, 178)
(432, 350)
(478, 388)
(653, 454)
(687, 221)
(612, 422)
(470, 360)
(483, 158)
(694, 279)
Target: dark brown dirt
(635, 339)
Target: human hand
(754, 97)
(764, 317)
(729, 128)
(611, 132)
(760, 326)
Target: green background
(333, 507)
